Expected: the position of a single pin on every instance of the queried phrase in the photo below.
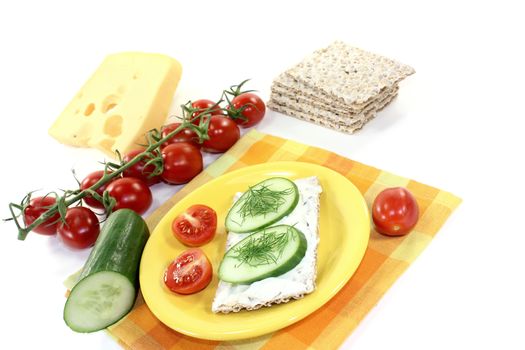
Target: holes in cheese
(113, 125)
(128, 95)
(109, 103)
(89, 109)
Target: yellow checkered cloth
(385, 259)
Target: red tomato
(189, 273)
(81, 228)
(185, 135)
(196, 226)
(182, 162)
(395, 212)
(223, 133)
(38, 206)
(130, 193)
(252, 109)
(89, 181)
(140, 170)
(205, 104)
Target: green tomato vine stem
(77, 195)
(113, 170)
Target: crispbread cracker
(335, 121)
(286, 83)
(324, 103)
(339, 126)
(303, 275)
(299, 102)
(348, 74)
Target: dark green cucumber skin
(292, 263)
(267, 224)
(119, 246)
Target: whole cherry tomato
(140, 170)
(223, 133)
(395, 212)
(182, 162)
(80, 229)
(205, 104)
(38, 206)
(89, 181)
(185, 135)
(130, 193)
(250, 109)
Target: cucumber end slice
(98, 301)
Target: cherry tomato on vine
(185, 135)
(251, 107)
(130, 193)
(223, 133)
(189, 273)
(182, 162)
(395, 212)
(89, 181)
(205, 104)
(80, 229)
(38, 206)
(195, 226)
(140, 170)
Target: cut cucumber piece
(262, 205)
(108, 283)
(267, 253)
(99, 300)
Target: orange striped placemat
(385, 259)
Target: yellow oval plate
(344, 233)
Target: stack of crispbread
(340, 87)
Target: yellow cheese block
(128, 95)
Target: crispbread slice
(346, 127)
(295, 283)
(348, 74)
(286, 83)
(303, 103)
(324, 103)
(331, 120)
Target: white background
(457, 125)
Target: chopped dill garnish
(264, 249)
(262, 201)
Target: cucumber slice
(108, 283)
(267, 253)
(262, 205)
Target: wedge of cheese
(291, 285)
(129, 94)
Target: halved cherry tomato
(80, 229)
(205, 104)
(395, 212)
(38, 206)
(252, 109)
(195, 226)
(223, 133)
(89, 181)
(140, 170)
(130, 193)
(185, 135)
(189, 273)
(182, 162)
